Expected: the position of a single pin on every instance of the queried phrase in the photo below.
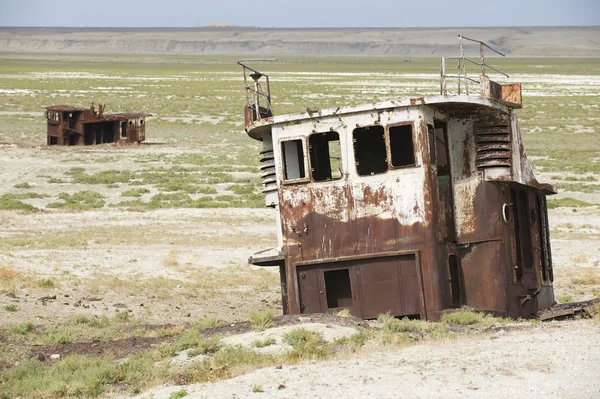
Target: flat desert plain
(123, 267)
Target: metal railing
(462, 67)
(258, 97)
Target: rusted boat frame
(410, 207)
(82, 126)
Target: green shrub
(23, 328)
(11, 308)
(405, 325)
(80, 200)
(306, 344)
(135, 192)
(225, 362)
(178, 394)
(567, 202)
(463, 317)
(262, 320)
(9, 203)
(261, 343)
(47, 283)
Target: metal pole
(460, 60)
(443, 77)
(482, 59)
(256, 106)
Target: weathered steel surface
(572, 309)
(82, 126)
(459, 221)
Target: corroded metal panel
(459, 222)
(79, 126)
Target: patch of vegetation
(242, 189)
(578, 187)
(306, 344)
(590, 277)
(9, 203)
(565, 299)
(345, 313)
(79, 176)
(463, 317)
(123, 317)
(257, 388)
(46, 283)
(358, 339)
(23, 328)
(11, 308)
(23, 185)
(22, 196)
(81, 200)
(77, 376)
(205, 323)
(224, 364)
(404, 325)
(178, 394)
(261, 320)
(261, 343)
(135, 192)
(567, 202)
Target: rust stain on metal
(412, 207)
(86, 126)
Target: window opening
(401, 145)
(325, 156)
(338, 288)
(369, 150)
(293, 159)
(53, 116)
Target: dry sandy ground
(172, 265)
(556, 360)
(517, 41)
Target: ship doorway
(440, 156)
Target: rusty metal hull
(81, 126)
(463, 222)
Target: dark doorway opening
(74, 139)
(454, 279)
(338, 288)
(89, 138)
(439, 151)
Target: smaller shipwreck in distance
(82, 126)
(412, 206)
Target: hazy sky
(303, 13)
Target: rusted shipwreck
(412, 206)
(85, 126)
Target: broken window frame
(310, 157)
(305, 161)
(53, 116)
(386, 148)
(389, 145)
